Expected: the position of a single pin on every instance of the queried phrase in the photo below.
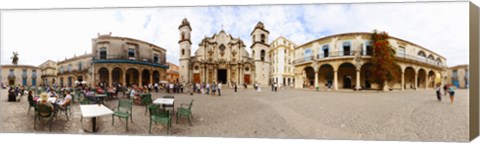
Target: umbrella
(163, 81)
(84, 82)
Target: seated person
(52, 94)
(30, 96)
(11, 95)
(44, 101)
(65, 102)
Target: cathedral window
(182, 36)
(155, 58)
(183, 52)
(262, 55)
(262, 38)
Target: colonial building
(343, 61)
(172, 73)
(49, 72)
(126, 61)
(458, 76)
(223, 58)
(281, 56)
(25, 75)
(74, 70)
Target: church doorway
(222, 76)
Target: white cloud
(55, 34)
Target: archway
(325, 76)
(431, 79)
(117, 76)
(132, 76)
(309, 77)
(347, 75)
(422, 76)
(409, 76)
(396, 82)
(145, 77)
(104, 75)
(156, 76)
(365, 75)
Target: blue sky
(65, 33)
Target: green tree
(384, 67)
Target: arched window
(262, 38)
(262, 55)
(422, 55)
(182, 36)
(183, 52)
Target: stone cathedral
(224, 58)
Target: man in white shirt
(219, 88)
(171, 87)
(156, 87)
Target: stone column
(110, 77)
(427, 79)
(316, 79)
(416, 81)
(357, 80)
(403, 80)
(335, 80)
(124, 78)
(141, 78)
(151, 77)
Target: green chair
(123, 110)
(30, 105)
(43, 111)
(147, 101)
(185, 111)
(159, 115)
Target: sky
(56, 34)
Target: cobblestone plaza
(288, 113)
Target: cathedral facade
(223, 58)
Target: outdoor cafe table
(93, 111)
(164, 101)
(101, 97)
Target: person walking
(451, 90)
(273, 86)
(156, 87)
(235, 86)
(437, 89)
(244, 86)
(276, 86)
(208, 88)
(219, 87)
(445, 89)
(214, 89)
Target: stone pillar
(427, 79)
(151, 77)
(403, 80)
(416, 81)
(316, 80)
(357, 80)
(141, 78)
(335, 80)
(124, 78)
(110, 77)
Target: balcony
(331, 55)
(127, 59)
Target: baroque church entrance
(222, 76)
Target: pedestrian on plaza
(214, 89)
(451, 90)
(208, 88)
(170, 86)
(156, 87)
(273, 86)
(437, 90)
(235, 86)
(219, 87)
(276, 86)
(445, 89)
(244, 86)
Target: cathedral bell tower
(260, 49)
(185, 48)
